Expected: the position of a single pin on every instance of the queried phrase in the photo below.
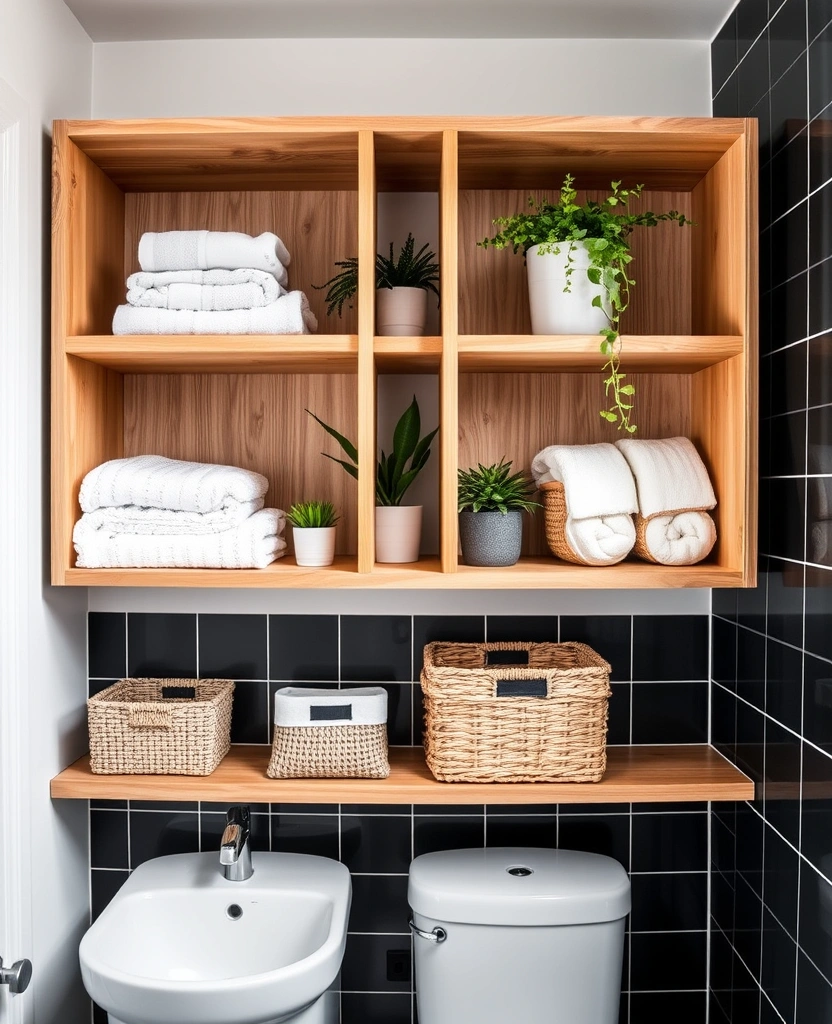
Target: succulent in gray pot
(491, 503)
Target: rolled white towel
(678, 538)
(254, 544)
(290, 314)
(212, 250)
(153, 481)
(204, 289)
(163, 522)
(604, 540)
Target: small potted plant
(491, 503)
(313, 532)
(398, 527)
(402, 287)
(577, 259)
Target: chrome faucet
(235, 848)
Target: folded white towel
(670, 476)
(595, 478)
(204, 289)
(254, 544)
(212, 250)
(153, 481)
(677, 538)
(290, 314)
(163, 522)
(296, 706)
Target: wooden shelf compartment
(407, 355)
(634, 775)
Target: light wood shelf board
(251, 353)
(563, 353)
(634, 775)
(407, 355)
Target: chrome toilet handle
(436, 936)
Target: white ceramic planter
(553, 310)
(398, 533)
(401, 312)
(314, 546)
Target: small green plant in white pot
(398, 526)
(402, 286)
(313, 532)
(491, 503)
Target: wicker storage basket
(160, 726)
(330, 734)
(515, 712)
(554, 518)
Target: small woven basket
(554, 518)
(160, 726)
(348, 739)
(515, 712)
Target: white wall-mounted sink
(180, 944)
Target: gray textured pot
(491, 538)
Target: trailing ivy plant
(393, 474)
(494, 489)
(312, 515)
(410, 269)
(605, 228)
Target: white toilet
(531, 936)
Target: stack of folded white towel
(153, 512)
(663, 483)
(212, 282)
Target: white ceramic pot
(555, 311)
(398, 533)
(400, 312)
(314, 545)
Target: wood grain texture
(318, 229)
(254, 421)
(493, 292)
(634, 774)
(367, 390)
(449, 368)
(408, 161)
(517, 414)
(407, 355)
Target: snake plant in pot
(398, 526)
(491, 502)
(577, 261)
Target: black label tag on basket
(521, 688)
(507, 658)
(330, 712)
(178, 692)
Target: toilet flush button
(520, 871)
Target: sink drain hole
(234, 912)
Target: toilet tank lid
(518, 886)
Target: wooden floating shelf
(528, 574)
(407, 355)
(634, 775)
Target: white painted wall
(46, 60)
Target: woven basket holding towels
(330, 734)
(515, 712)
(160, 726)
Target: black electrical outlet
(398, 965)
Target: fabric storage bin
(160, 726)
(515, 712)
(330, 734)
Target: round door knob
(17, 977)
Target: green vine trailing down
(605, 227)
(410, 270)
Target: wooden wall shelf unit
(634, 775)
(690, 336)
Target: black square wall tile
(303, 648)
(103, 886)
(784, 684)
(724, 721)
(670, 842)
(608, 635)
(540, 831)
(724, 603)
(379, 904)
(789, 172)
(816, 831)
(751, 16)
(107, 639)
(672, 960)
(164, 805)
(462, 629)
(662, 1007)
(815, 909)
(233, 646)
(315, 834)
(162, 645)
(670, 712)
(533, 628)
(788, 103)
(748, 928)
(788, 518)
(820, 297)
(727, 101)
(618, 723)
(670, 647)
(785, 582)
(787, 36)
(250, 713)
(364, 968)
(789, 242)
(212, 826)
(724, 652)
(108, 839)
(752, 73)
(749, 850)
(160, 833)
(782, 785)
(820, 14)
(749, 742)
(376, 648)
(814, 993)
(399, 712)
(789, 316)
(820, 229)
(724, 52)
(669, 902)
(605, 834)
(95, 686)
(780, 872)
(820, 366)
(818, 611)
(817, 702)
(820, 153)
(375, 1008)
(787, 445)
(376, 844)
(446, 832)
(778, 966)
(745, 1001)
(820, 71)
(751, 667)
